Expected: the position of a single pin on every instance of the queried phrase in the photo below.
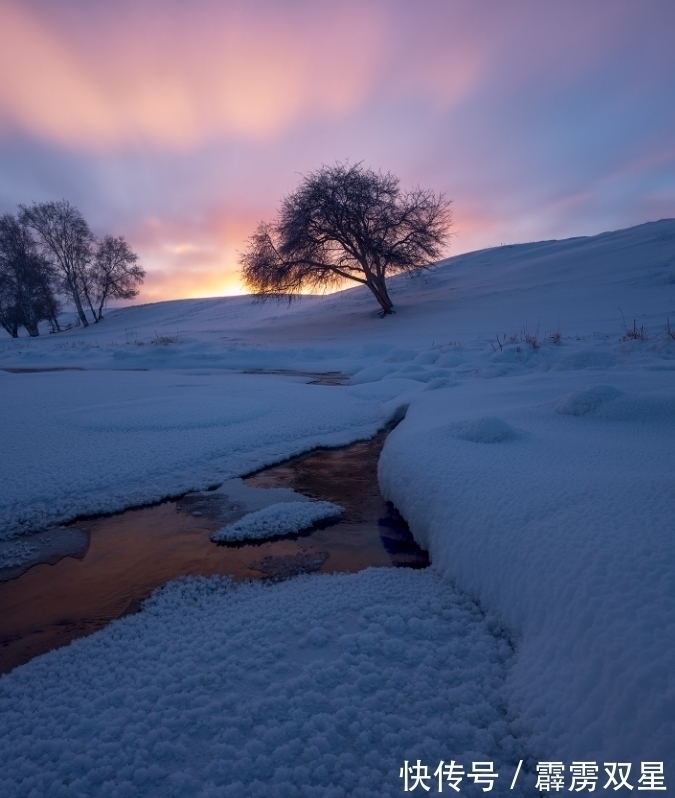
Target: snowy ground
(538, 473)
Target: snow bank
(318, 686)
(586, 400)
(562, 529)
(277, 520)
(77, 443)
(486, 430)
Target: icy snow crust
(277, 520)
(318, 686)
(539, 477)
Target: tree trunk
(12, 329)
(78, 304)
(104, 297)
(379, 289)
(89, 302)
(28, 312)
(92, 308)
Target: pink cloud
(182, 127)
(177, 76)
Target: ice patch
(16, 554)
(234, 499)
(44, 547)
(586, 400)
(277, 520)
(486, 430)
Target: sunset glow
(181, 126)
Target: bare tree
(66, 240)
(10, 314)
(47, 304)
(346, 223)
(115, 273)
(27, 295)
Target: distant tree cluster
(48, 252)
(346, 222)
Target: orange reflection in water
(133, 553)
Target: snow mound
(586, 400)
(400, 356)
(451, 361)
(486, 430)
(372, 374)
(277, 520)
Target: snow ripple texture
(277, 520)
(319, 686)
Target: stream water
(130, 554)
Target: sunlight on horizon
(193, 137)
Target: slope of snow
(277, 520)
(578, 286)
(535, 463)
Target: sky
(182, 125)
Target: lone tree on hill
(346, 223)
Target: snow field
(277, 520)
(539, 477)
(317, 686)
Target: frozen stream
(132, 553)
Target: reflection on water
(134, 552)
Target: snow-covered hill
(577, 287)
